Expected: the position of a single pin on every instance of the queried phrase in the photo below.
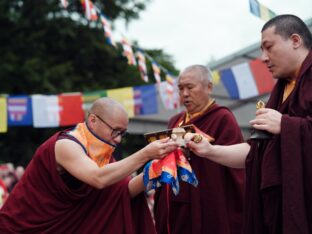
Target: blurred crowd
(9, 176)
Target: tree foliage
(45, 49)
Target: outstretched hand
(268, 120)
(160, 148)
(201, 148)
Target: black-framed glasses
(115, 132)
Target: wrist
(143, 156)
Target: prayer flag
(89, 10)
(265, 13)
(89, 97)
(45, 111)
(262, 76)
(247, 80)
(229, 83)
(215, 77)
(19, 111)
(71, 111)
(156, 71)
(260, 10)
(244, 79)
(142, 65)
(128, 52)
(170, 101)
(125, 96)
(145, 97)
(170, 84)
(3, 115)
(138, 102)
(107, 30)
(64, 3)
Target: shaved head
(108, 107)
(203, 73)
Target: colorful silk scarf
(169, 170)
(96, 148)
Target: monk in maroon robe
(278, 170)
(215, 206)
(72, 185)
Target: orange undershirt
(290, 85)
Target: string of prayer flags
(90, 10)
(107, 30)
(142, 65)
(247, 80)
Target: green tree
(45, 49)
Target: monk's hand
(198, 144)
(160, 148)
(267, 119)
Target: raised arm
(73, 159)
(229, 155)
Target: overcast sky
(194, 31)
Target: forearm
(230, 155)
(136, 185)
(114, 172)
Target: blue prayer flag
(19, 111)
(146, 99)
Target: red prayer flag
(262, 76)
(71, 111)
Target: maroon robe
(279, 171)
(215, 206)
(42, 203)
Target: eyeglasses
(115, 132)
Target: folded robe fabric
(169, 170)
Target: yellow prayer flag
(3, 115)
(264, 13)
(215, 77)
(125, 97)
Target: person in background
(215, 206)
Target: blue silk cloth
(169, 170)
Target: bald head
(108, 107)
(202, 73)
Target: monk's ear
(210, 85)
(91, 119)
(209, 88)
(296, 40)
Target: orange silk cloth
(96, 148)
(169, 170)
